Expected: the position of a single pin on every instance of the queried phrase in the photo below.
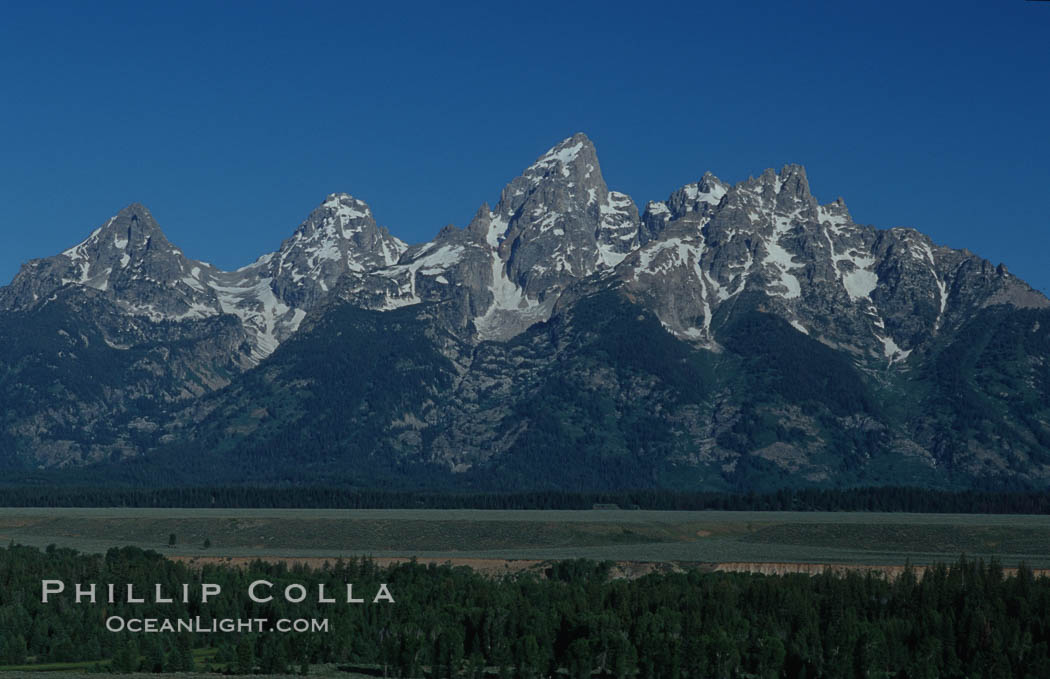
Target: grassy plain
(619, 535)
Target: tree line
(881, 499)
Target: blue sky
(231, 121)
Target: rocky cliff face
(874, 293)
(729, 334)
(555, 224)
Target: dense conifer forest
(851, 499)
(569, 619)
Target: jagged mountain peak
(835, 214)
(132, 227)
(567, 178)
(128, 246)
(342, 217)
(481, 225)
(129, 259)
(575, 151)
(341, 214)
(757, 271)
(793, 179)
(699, 197)
(559, 221)
(339, 235)
(784, 191)
(791, 170)
(788, 186)
(709, 183)
(133, 212)
(345, 205)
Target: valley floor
(502, 541)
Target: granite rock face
(133, 264)
(129, 260)
(339, 236)
(876, 293)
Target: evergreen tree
(13, 650)
(154, 656)
(245, 660)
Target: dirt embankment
(622, 569)
(486, 566)
(891, 572)
(491, 567)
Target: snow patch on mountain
(497, 229)
(860, 282)
(560, 156)
(781, 259)
(269, 319)
(858, 278)
(510, 310)
(892, 352)
(657, 207)
(942, 287)
(617, 229)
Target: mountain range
(730, 337)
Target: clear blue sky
(231, 121)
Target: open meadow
(709, 537)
